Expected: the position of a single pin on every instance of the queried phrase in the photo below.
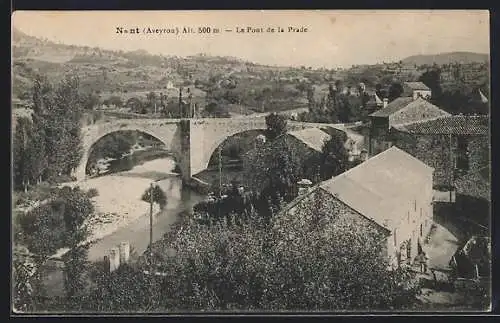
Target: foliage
(114, 101)
(395, 91)
(276, 125)
(60, 223)
(297, 264)
(457, 97)
(159, 196)
(125, 290)
(274, 169)
(23, 270)
(21, 153)
(216, 110)
(90, 101)
(50, 144)
(113, 145)
(334, 156)
(92, 193)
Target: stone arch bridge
(191, 141)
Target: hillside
(447, 58)
(110, 73)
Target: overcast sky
(334, 38)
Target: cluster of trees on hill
(456, 97)
(48, 145)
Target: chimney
(386, 102)
(124, 252)
(304, 186)
(114, 259)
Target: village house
(389, 195)
(306, 145)
(416, 90)
(454, 145)
(399, 111)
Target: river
(121, 192)
(137, 232)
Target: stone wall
(479, 152)
(434, 150)
(431, 150)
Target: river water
(179, 199)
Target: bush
(93, 192)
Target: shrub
(92, 193)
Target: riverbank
(118, 203)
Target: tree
(23, 270)
(114, 101)
(273, 169)
(21, 152)
(305, 261)
(56, 116)
(159, 196)
(276, 125)
(135, 105)
(334, 156)
(395, 91)
(151, 98)
(90, 101)
(59, 224)
(432, 78)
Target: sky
(333, 39)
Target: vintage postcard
(250, 161)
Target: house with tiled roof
(454, 145)
(416, 90)
(389, 195)
(402, 110)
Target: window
(408, 215)
(420, 212)
(415, 205)
(421, 229)
(395, 240)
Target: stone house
(389, 195)
(416, 90)
(454, 146)
(399, 111)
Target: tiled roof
(376, 187)
(417, 86)
(455, 125)
(312, 137)
(393, 107)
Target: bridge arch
(165, 132)
(139, 136)
(207, 137)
